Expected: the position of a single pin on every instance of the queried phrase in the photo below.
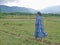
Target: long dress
(39, 32)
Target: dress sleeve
(37, 20)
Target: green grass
(26, 28)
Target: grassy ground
(21, 31)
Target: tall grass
(19, 30)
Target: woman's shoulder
(39, 17)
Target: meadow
(19, 30)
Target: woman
(39, 32)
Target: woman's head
(39, 13)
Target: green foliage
(6, 23)
(17, 13)
(51, 15)
(14, 15)
(11, 15)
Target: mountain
(54, 10)
(8, 9)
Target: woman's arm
(37, 21)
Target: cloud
(35, 4)
(2, 2)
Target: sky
(34, 4)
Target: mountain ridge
(8, 9)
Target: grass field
(20, 31)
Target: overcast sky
(35, 4)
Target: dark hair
(39, 13)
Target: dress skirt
(39, 28)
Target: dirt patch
(12, 33)
(47, 42)
(44, 41)
(57, 43)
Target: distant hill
(8, 9)
(54, 9)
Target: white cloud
(35, 4)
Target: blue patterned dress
(39, 32)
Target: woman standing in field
(39, 32)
